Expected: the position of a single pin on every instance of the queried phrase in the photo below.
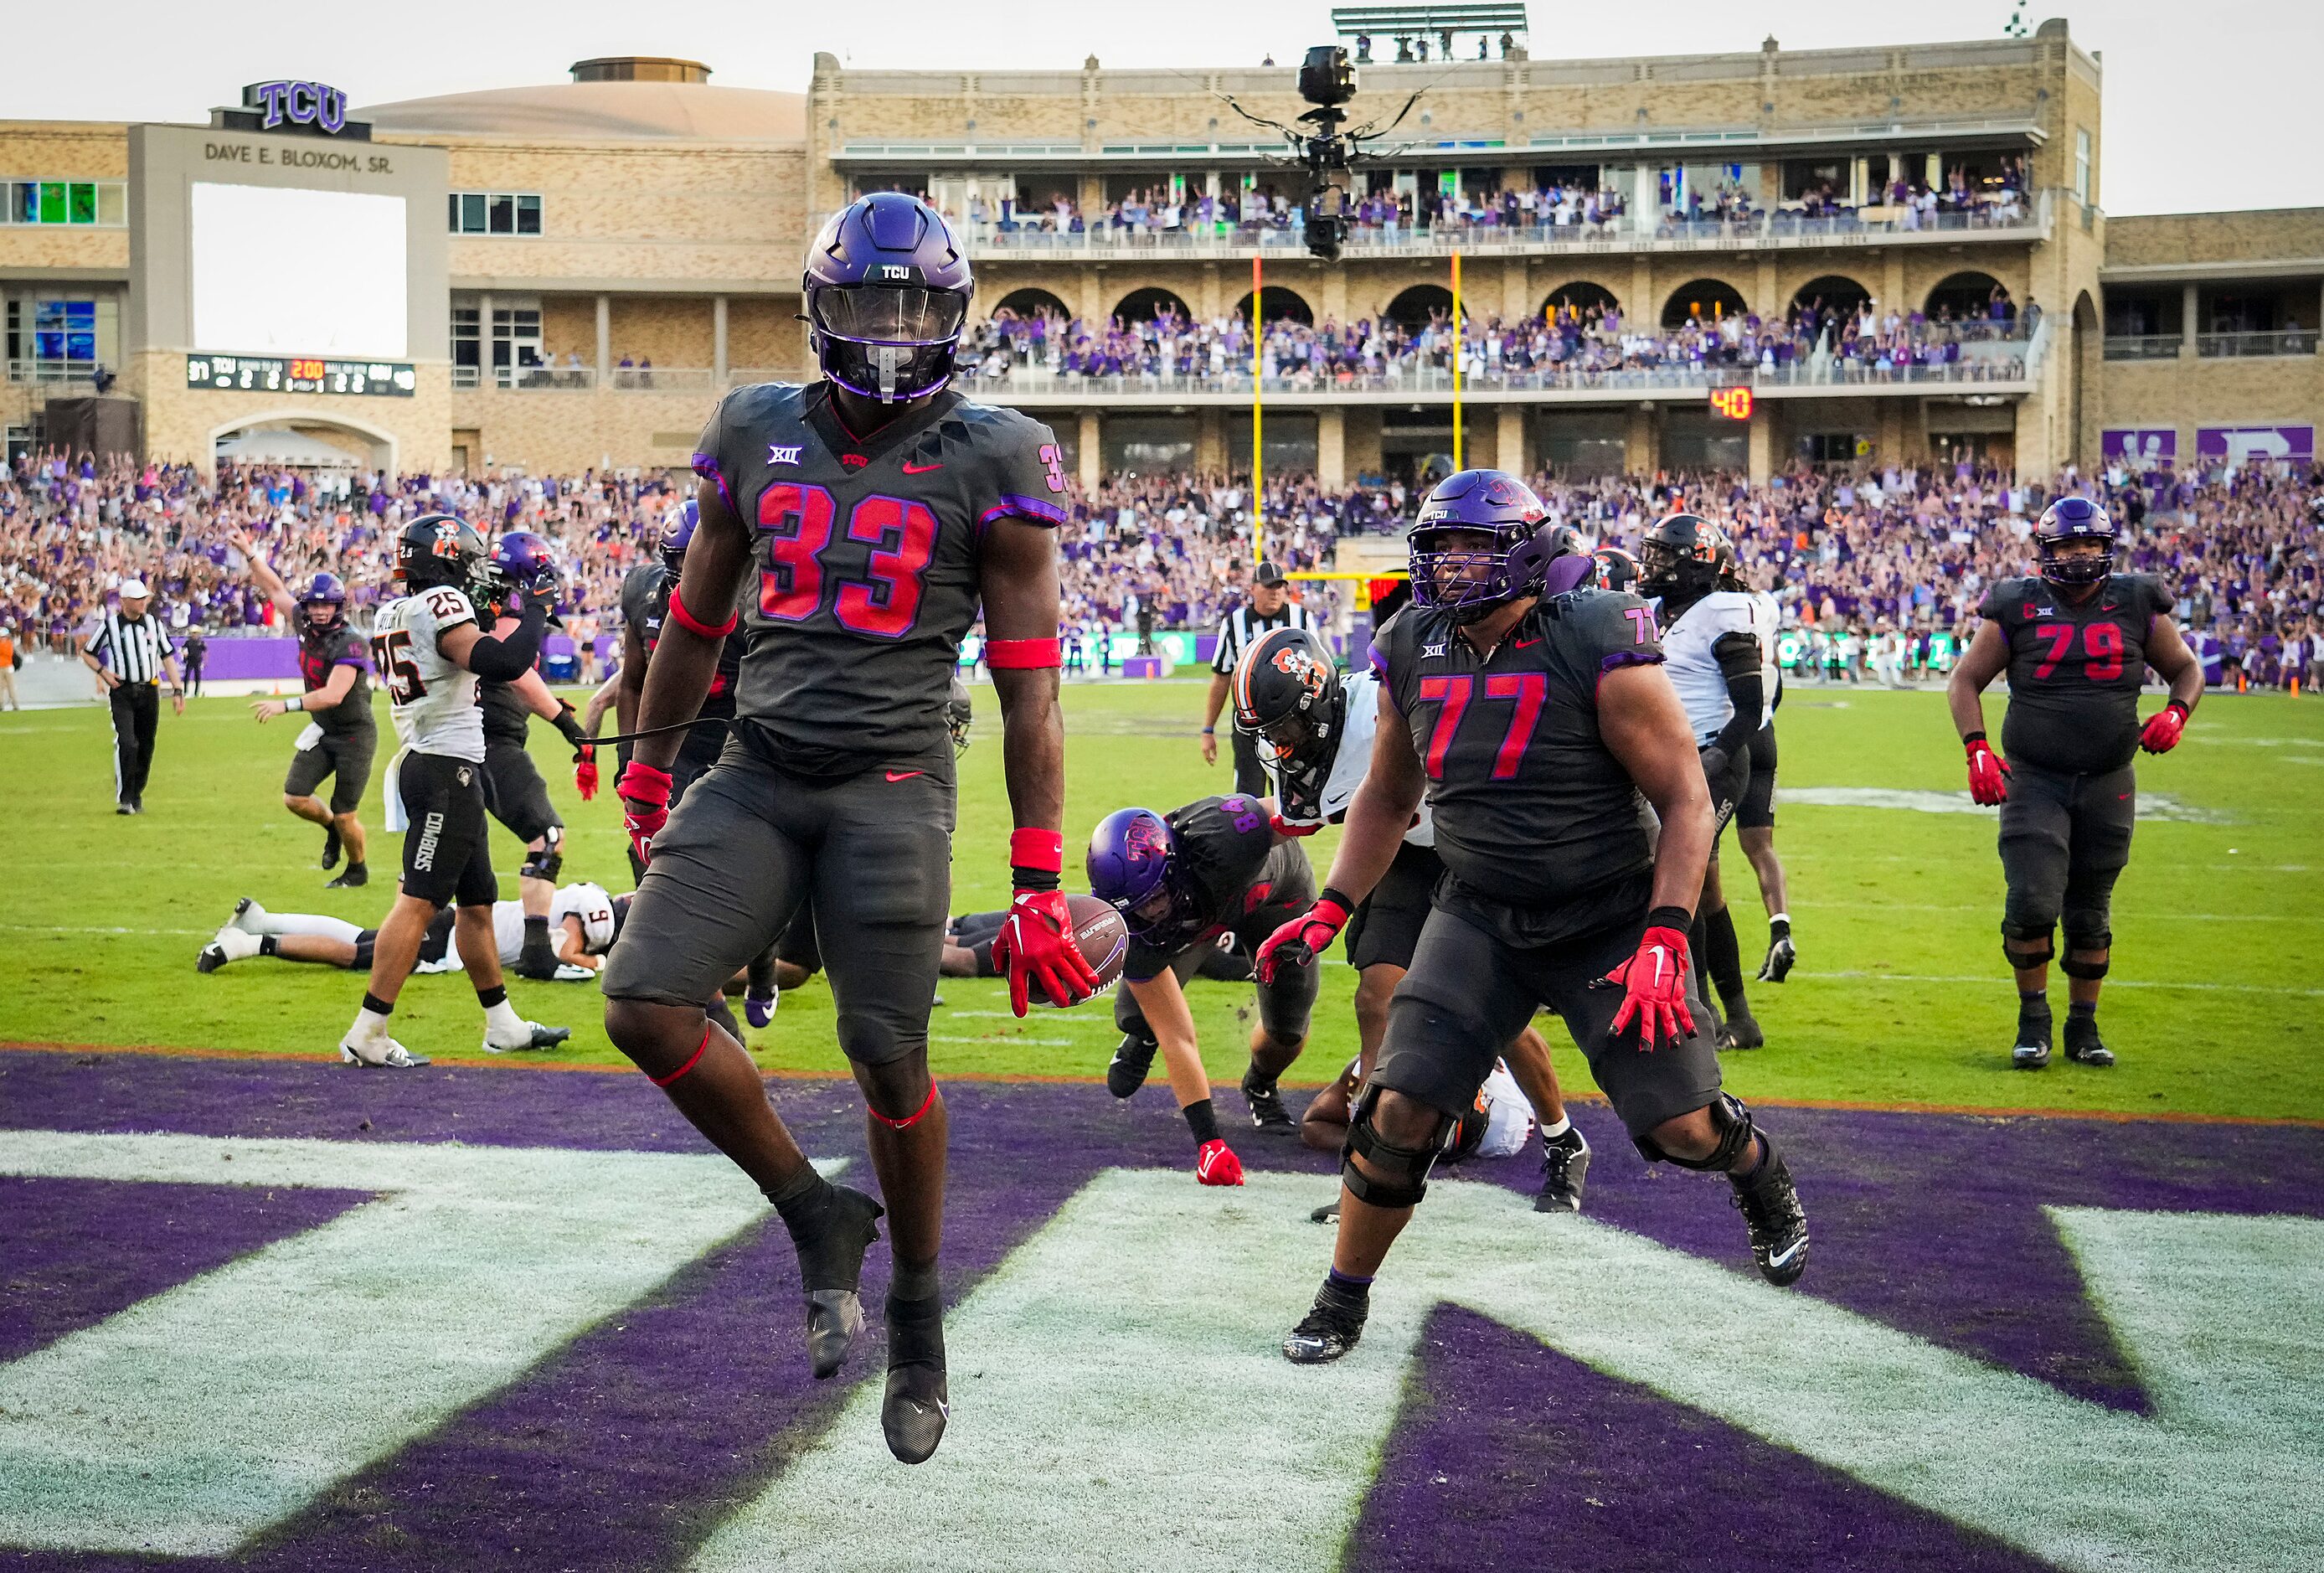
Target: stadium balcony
(1779, 230)
(2280, 341)
(1998, 374)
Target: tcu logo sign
(314, 103)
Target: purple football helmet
(678, 532)
(887, 289)
(2071, 518)
(1132, 857)
(522, 558)
(1471, 581)
(325, 590)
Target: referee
(1270, 607)
(138, 652)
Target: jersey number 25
(798, 520)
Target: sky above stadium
(2208, 106)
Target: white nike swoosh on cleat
(1782, 1258)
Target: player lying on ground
(859, 523)
(1179, 881)
(429, 650)
(1531, 715)
(587, 920)
(340, 737)
(1716, 649)
(2076, 641)
(1495, 1126)
(1314, 734)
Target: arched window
(1711, 300)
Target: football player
(1313, 733)
(1715, 649)
(2076, 639)
(429, 652)
(1531, 714)
(1755, 815)
(1179, 881)
(513, 790)
(584, 917)
(340, 738)
(1616, 569)
(869, 514)
(1496, 1126)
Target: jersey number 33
(800, 519)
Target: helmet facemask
(883, 342)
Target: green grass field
(1900, 997)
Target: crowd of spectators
(1847, 341)
(1878, 570)
(1571, 207)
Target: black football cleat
(2083, 1045)
(831, 1266)
(1329, 1213)
(918, 1402)
(1131, 1061)
(1565, 1167)
(331, 847)
(1778, 1225)
(1332, 1326)
(1741, 1032)
(2032, 1051)
(1267, 1113)
(1781, 957)
(350, 878)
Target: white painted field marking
(1128, 1407)
(2151, 805)
(192, 1419)
(2111, 982)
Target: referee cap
(1268, 574)
(135, 591)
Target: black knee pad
(549, 861)
(1407, 1167)
(1733, 1121)
(2088, 929)
(2090, 969)
(364, 943)
(2026, 934)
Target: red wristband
(1017, 654)
(1037, 849)
(695, 626)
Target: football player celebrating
(341, 736)
(1180, 880)
(870, 513)
(1531, 715)
(429, 650)
(1314, 735)
(1715, 650)
(516, 795)
(2076, 640)
(587, 920)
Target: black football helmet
(1617, 569)
(1679, 559)
(438, 548)
(1287, 696)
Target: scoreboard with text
(295, 374)
(1731, 403)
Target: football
(1104, 937)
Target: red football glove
(1216, 1164)
(645, 805)
(2161, 733)
(1989, 774)
(1304, 937)
(1036, 942)
(1284, 828)
(585, 771)
(1654, 982)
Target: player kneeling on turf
(1530, 714)
(1179, 881)
(429, 650)
(1314, 735)
(2076, 641)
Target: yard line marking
(1005, 1043)
(66, 928)
(2147, 914)
(2111, 982)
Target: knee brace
(1732, 1120)
(549, 861)
(2084, 936)
(1407, 1167)
(364, 943)
(2027, 934)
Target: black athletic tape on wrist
(1677, 918)
(1971, 739)
(1023, 878)
(1333, 894)
(2182, 707)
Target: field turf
(1900, 998)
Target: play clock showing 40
(1731, 403)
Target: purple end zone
(628, 1446)
(73, 1251)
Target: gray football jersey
(433, 701)
(865, 563)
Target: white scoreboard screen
(297, 273)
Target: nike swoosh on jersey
(904, 774)
(920, 470)
(1528, 643)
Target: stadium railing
(2265, 342)
(2003, 374)
(2144, 345)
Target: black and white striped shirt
(134, 649)
(1239, 627)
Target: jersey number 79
(798, 520)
